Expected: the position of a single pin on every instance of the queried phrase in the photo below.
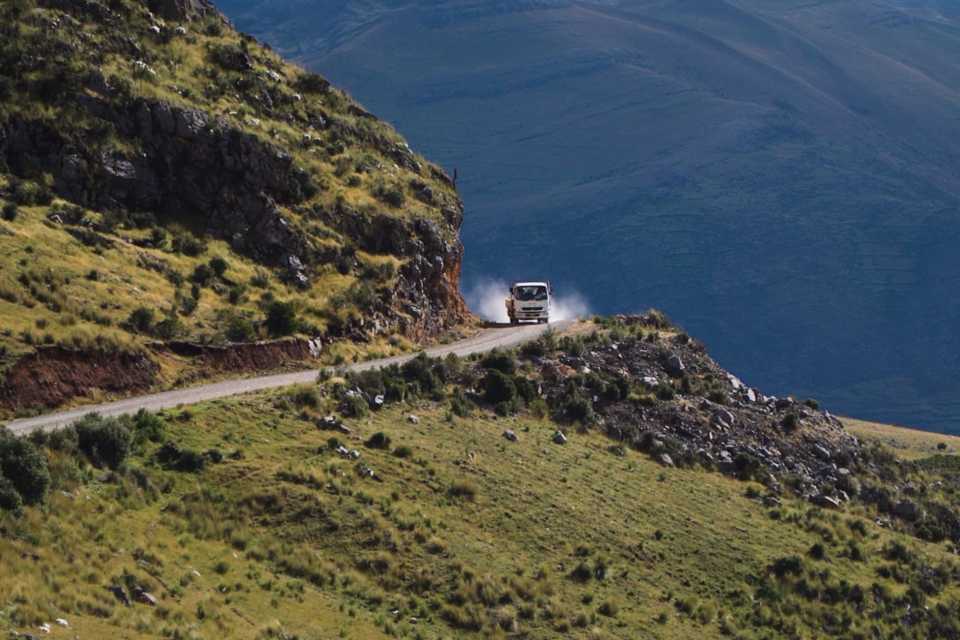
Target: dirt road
(486, 340)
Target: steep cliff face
(164, 177)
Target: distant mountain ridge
(781, 177)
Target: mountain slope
(173, 192)
(778, 175)
(454, 509)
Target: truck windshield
(528, 294)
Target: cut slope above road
(486, 340)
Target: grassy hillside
(243, 519)
(779, 175)
(173, 180)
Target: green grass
(73, 289)
(469, 534)
(910, 444)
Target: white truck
(529, 301)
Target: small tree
(281, 318)
(24, 467)
(106, 441)
(239, 329)
(498, 388)
(141, 320)
(10, 212)
(219, 266)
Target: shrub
(500, 361)
(202, 275)
(281, 318)
(463, 489)
(105, 441)
(498, 388)
(403, 452)
(260, 279)
(422, 372)
(579, 408)
(141, 320)
(188, 245)
(306, 397)
(354, 406)
(10, 212)
(218, 266)
(28, 193)
(187, 460)
(148, 427)
(792, 566)
(10, 499)
(379, 440)
(391, 194)
(25, 469)
(239, 329)
(790, 422)
(311, 83)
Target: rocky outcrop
(190, 165)
(686, 409)
(426, 299)
(235, 184)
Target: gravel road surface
(485, 340)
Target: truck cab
(529, 301)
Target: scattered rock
(823, 500)
(145, 597)
(674, 366)
(559, 438)
(510, 435)
(666, 460)
(412, 419)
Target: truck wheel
(514, 321)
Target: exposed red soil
(51, 376)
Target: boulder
(674, 366)
(823, 500)
(510, 435)
(559, 438)
(412, 419)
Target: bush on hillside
(202, 275)
(105, 441)
(379, 440)
(239, 329)
(24, 467)
(181, 459)
(141, 320)
(423, 373)
(498, 388)
(501, 361)
(218, 266)
(10, 499)
(308, 82)
(10, 212)
(281, 318)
